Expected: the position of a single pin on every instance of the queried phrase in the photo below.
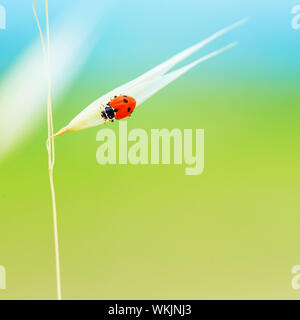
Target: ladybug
(118, 108)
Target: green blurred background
(150, 231)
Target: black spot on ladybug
(116, 110)
(128, 109)
(125, 96)
(125, 100)
(115, 96)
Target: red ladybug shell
(124, 105)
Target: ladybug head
(108, 113)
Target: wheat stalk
(146, 85)
(50, 141)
